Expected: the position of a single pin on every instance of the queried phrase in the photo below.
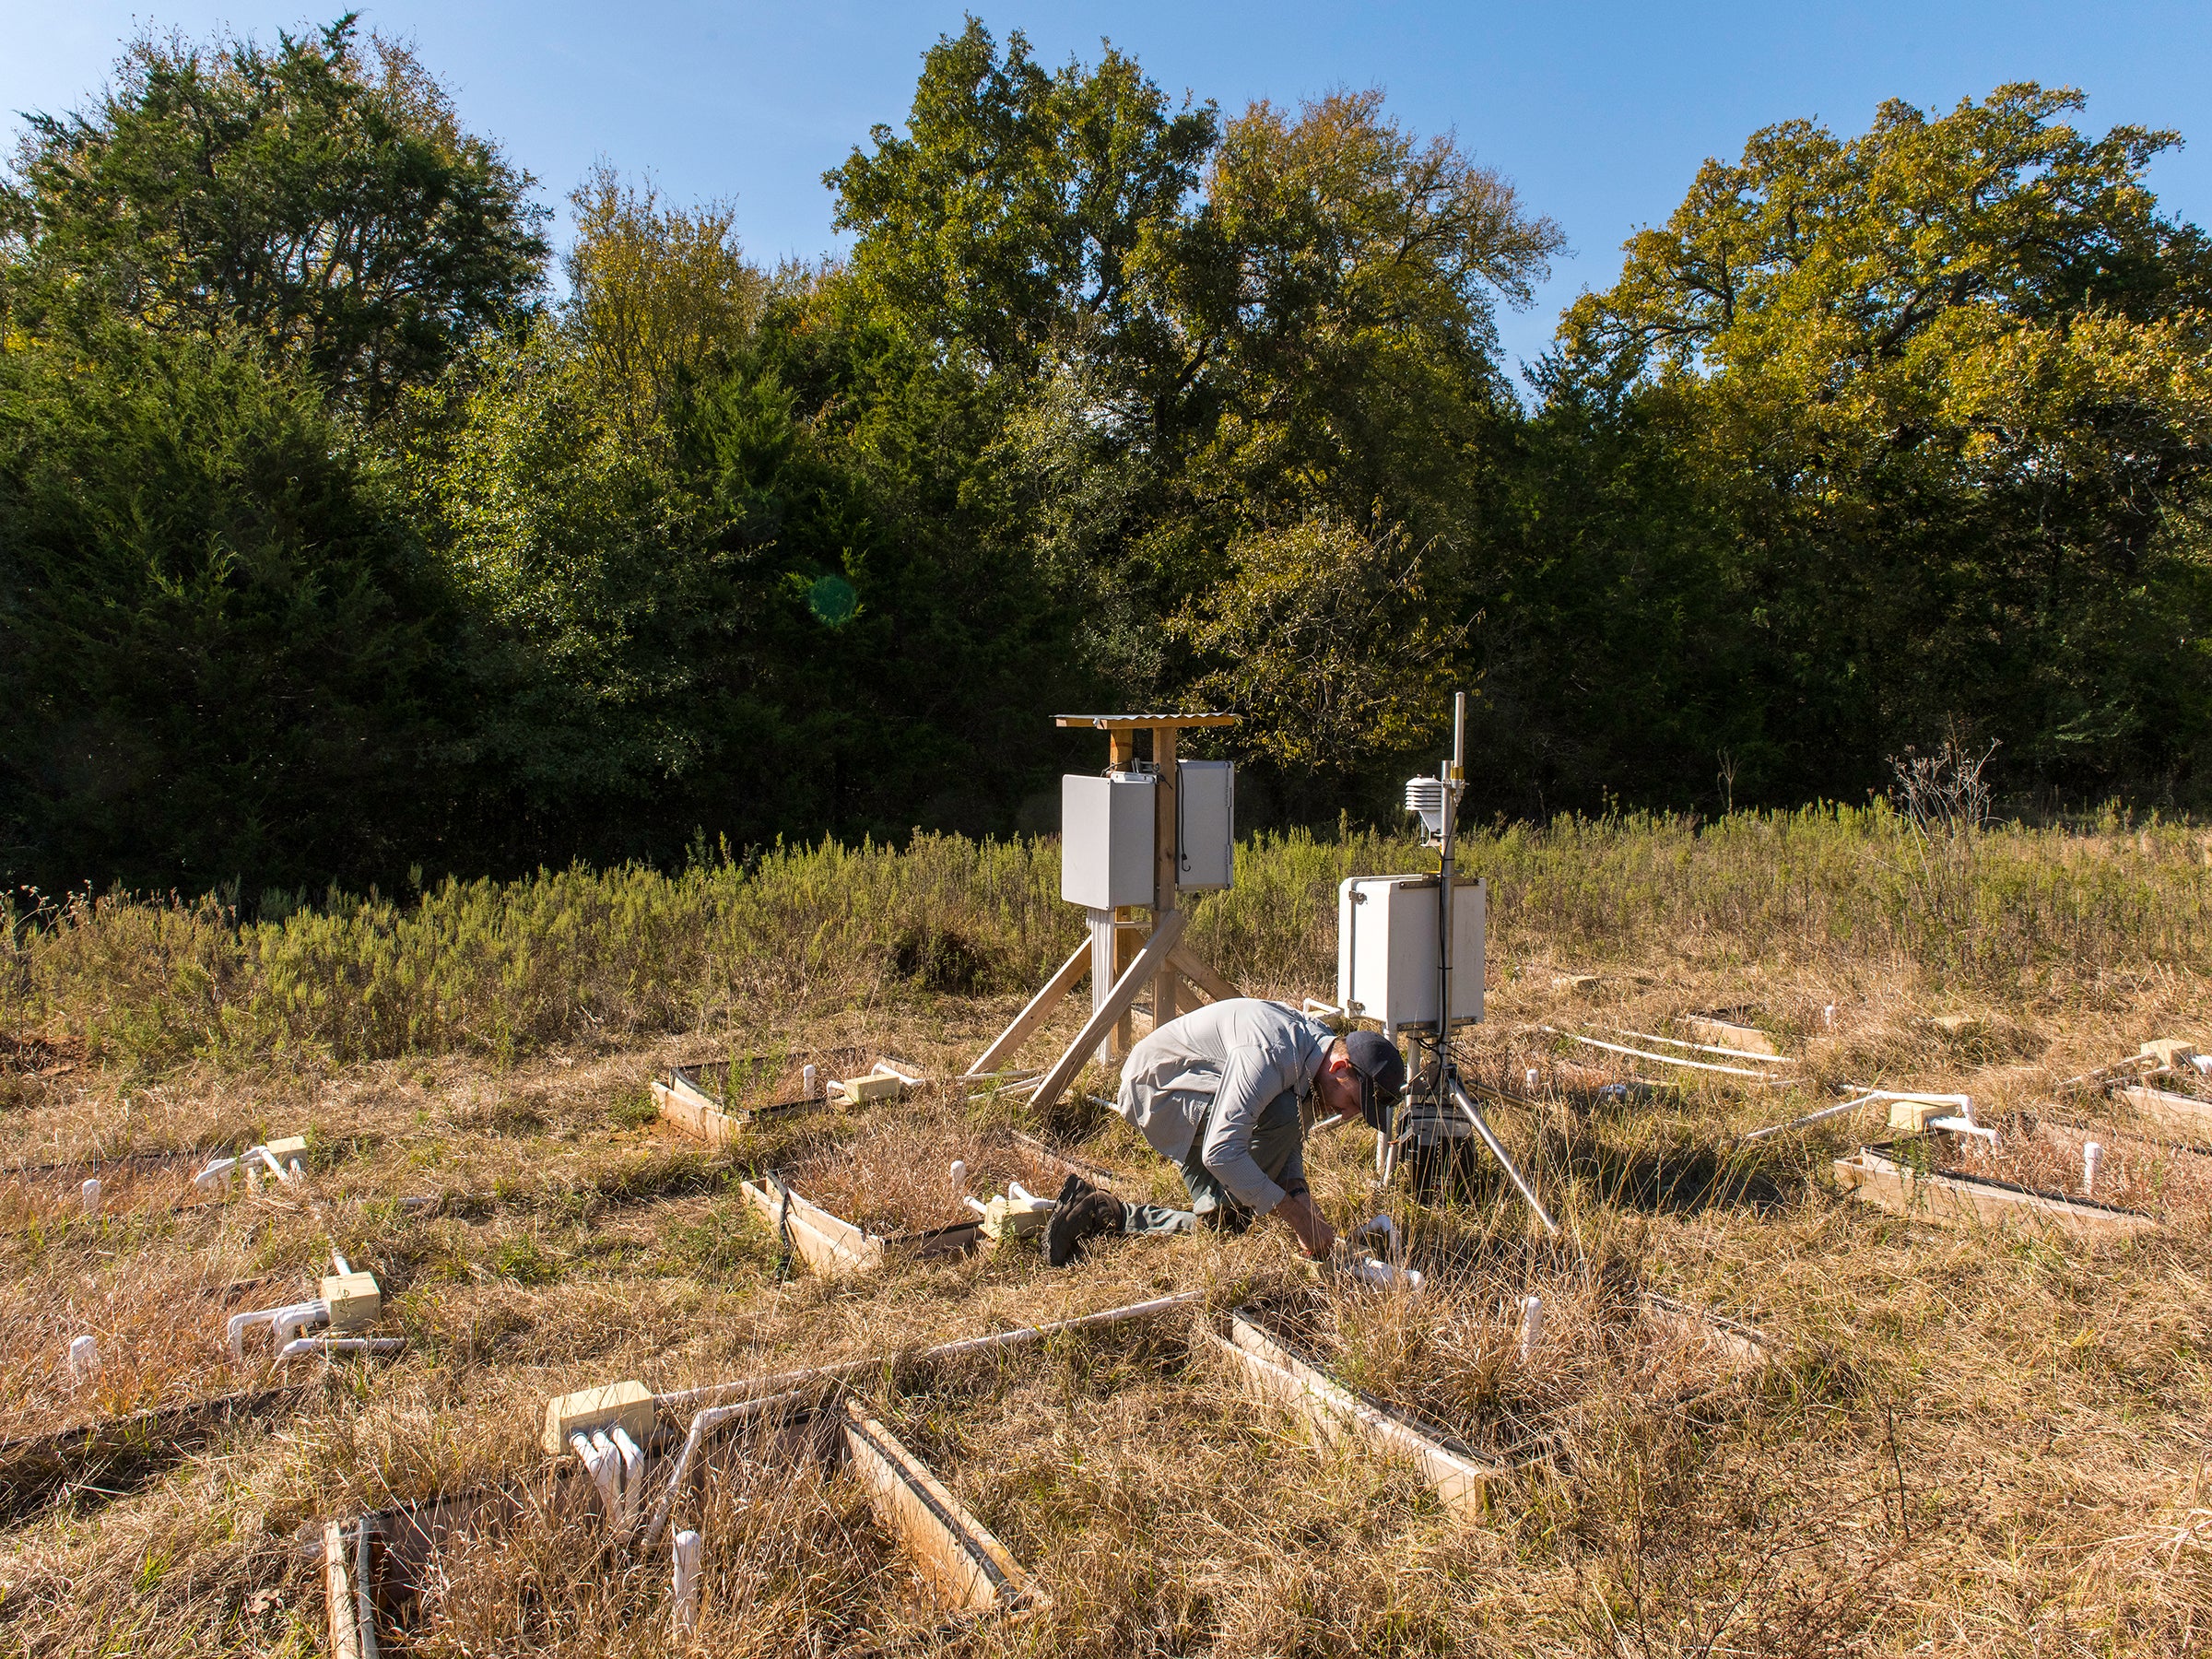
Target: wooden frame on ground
(374, 1567)
(829, 1244)
(1873, 1177)
(687, 1102)
(1459, 1477)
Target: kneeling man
(1227, 1094)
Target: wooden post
(1166, 834)
(1121, 753)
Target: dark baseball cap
(1382, 1075)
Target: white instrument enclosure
(1386, 950)
(1106, 839)
(1206, 813)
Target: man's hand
(1303, 1217)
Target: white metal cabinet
(1386, 958)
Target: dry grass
(895, 1175)
(1967, 1442)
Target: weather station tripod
(1437, 1110)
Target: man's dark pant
(1278, 1146)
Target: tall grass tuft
(502, 969)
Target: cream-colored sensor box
(628, 1404)
(290, 1147)
(354, 1300)
(875, 1085)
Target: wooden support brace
(1459, 1478)
(1874, 1179)
(1040, 1009)
(1124, 994)
(1211, 985)
(968, 1567)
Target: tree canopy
(318, 199)
(331, 550)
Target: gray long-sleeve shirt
(1219, 1067)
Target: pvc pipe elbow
(633, 1473)
(242, 1322)
(293, 1320)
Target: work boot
(1083, 1212)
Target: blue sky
(1600, 114)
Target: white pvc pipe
(959, 1175)
(598, 1454)
(687, 1582)
(1532, 1325)
(809, 1081)
(293, 1320)
(241, 1324)
(341, 1264)
(84, 1362)
(222, 1168)
(1531, 1079)
(1958, 1125)
(1016, 1190)
(1383, 1275)
(300, 1346)
(633, 1473)
(1827, 1016)
(90, 1193)
(2092, 1154)
(970, 1200)
(703, 1424)
(1393, 1251)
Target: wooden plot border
(34, 1467)
(1873, 1177)
(687, 1104)
(1745, 1347)
(687, 1108)
(2180, 1120)
(1459, 1477)
(967, 1567)
(829, 1244)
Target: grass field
(1966, 1441)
